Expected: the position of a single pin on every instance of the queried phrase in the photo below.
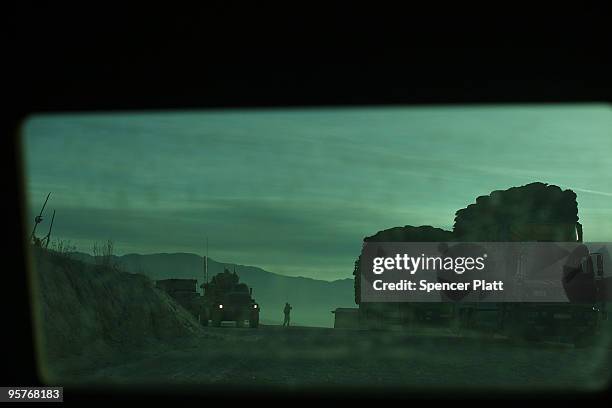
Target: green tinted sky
(295, 191)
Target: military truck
(534, 212)
(184, 291)
(226, 299)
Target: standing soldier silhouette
(287, 312)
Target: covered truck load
(534, 212)
(401, 314)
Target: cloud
(296, 191)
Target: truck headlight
(255, 306)
(220, 306)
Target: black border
(144, 57)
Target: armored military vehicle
(226, 299)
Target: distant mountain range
(312, 299)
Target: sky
(294, 191)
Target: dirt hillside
(92, 312)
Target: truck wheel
(254, 323)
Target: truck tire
(254, 323)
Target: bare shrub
(63, 247)
(61, 251)
(103, 254)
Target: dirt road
(305, 357)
